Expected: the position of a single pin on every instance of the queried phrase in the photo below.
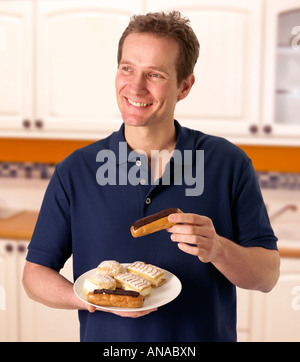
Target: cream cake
(110, 267)
(151, 273)
(98, 281)
(129, 281)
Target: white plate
(159, 296)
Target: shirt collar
(185, 142)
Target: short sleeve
(51, 243)
(252, 226)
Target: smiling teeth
(137, 104)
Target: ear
(185, 87)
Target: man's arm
(49, 287)
(249, 268)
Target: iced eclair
(151, 224)
(152, 273)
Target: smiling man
(146, 81)
(223, 238)
(148, 91)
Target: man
(223, 235)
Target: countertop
(21, 226)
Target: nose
(138, 85)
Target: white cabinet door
(77, 62)
(226, 96)
(8, 292)
(39, 323)
(16, 68)
(282, 68)
(243, 314)
(275, 316)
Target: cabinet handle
(21, 248)
(267, 129)
(26, 123)
(253, 129)
(9, 248)
(39, 123)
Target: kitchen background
(57, 69)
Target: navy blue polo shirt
(84, 217)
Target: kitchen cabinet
(58, 65)
(9, 292)
(243, 314)
(59, 60)
(282, 68)
(226, 96)
(16, 64)
(276, 315)
(22, 319)
(76, 59)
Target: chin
(135, 122)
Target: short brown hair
(170, 25)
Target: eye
(155, 76)
(126, 69)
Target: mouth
(138, 104)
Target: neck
(155, 138)
(149, 138)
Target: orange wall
(271, 158)
(37, 150)
(265, 158)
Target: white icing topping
(110, 267)
(148, 269)
(94, 281)
(101, 278)
(133, 280)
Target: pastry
(151, 224)
(129, 281)
(116, 298)
(98, 281)
(153, 274)
(110, 267)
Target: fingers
(203, 253)
(186, 229)
(192, 250)
(135, 314)
(191, 228)
(90, 308)
(195, 235)
(188, 219)
(189, 239)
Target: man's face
(146, 80)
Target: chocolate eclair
(151, 224)
(116, 298)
